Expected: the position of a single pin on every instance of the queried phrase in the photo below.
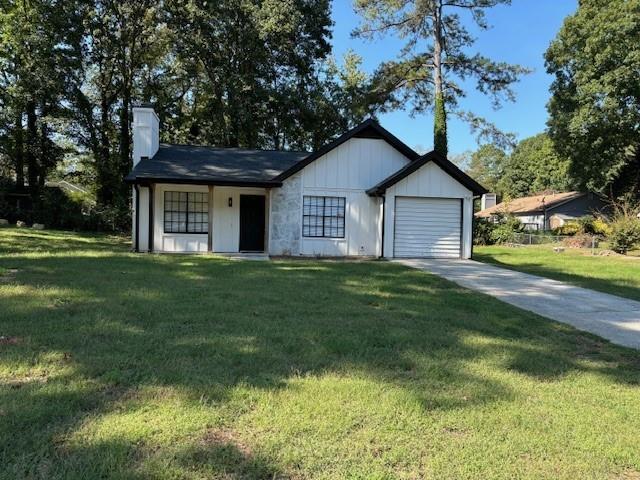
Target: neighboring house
(365, 193)
(547, 211)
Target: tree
(533, 167)
(434, 62)
(486, 166)
(595, 105)
(35, 64)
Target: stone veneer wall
(286, 217)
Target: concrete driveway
(614, 318)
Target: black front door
(251, 223)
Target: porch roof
(196, 164)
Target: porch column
(210, 232)
(151, 219)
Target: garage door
(427, 227)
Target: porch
(196, 218)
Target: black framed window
(186, 212)
(323, 217)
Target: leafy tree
(243, 73)
(34, 69)
(486, 166)
(434, 62)
(533, 167)
(594, 109)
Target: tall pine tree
(434, 61)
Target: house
(364, 194)
(545, 211)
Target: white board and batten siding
(175, 242)
(426, 207)
(226, 220)
(348, 171)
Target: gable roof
(441, 161)
(367, 129)
(211, 165)
(532, 204)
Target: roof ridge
(232, 148)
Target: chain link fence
(557, 241)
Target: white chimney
(146, 132)
(488, 200)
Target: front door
(252, 223)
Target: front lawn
(116, 365)
(617, 274)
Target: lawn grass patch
(186, 366)
(613, 274)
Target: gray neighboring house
(546, 211)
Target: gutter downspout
(137, 239)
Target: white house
(364, 194)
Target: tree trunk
(32, 142)
(125, 137)
(440, 116)
(19, 152)
(104, 191)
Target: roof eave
(200, 181)
(433, 156)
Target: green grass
(115, 365)
(618, 275)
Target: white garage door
(427, 227)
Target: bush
(505, 231)
(578, 226)
(483, 231)
(585, 225)
(601, 227)
(625, 234)
(569, 228)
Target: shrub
(625, 234)
(483, 231)
(625, 227)
(569, 228)
(506, 230)
(585, 224)
(578, 226)
(601, 227)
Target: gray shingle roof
(226, 166)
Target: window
(186, 212)
(323, 217)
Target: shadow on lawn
(613, 286)
(207, 325)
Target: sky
(520, 33)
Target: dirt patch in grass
(9, 340)
(629, 474)
(455, 432)
(225, 436)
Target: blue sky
(520, 33)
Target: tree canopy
(254, 74)
(534, 166)
(595, 105)
(486, 166)
(435, 62)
